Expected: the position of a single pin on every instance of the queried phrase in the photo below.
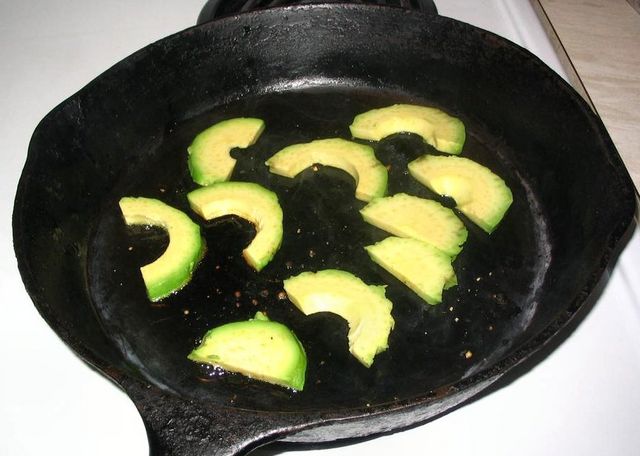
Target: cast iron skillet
(307, 71)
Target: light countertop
(602, 41)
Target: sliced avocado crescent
(479, 194)
(209, 153)
(173, 269)
(356, 159)
(365, 307)
(258, 348)
(418, 218)
(423, 268)
(250, 201)
(442, 131)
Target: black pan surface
(307, 71)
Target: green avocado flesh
(210, 160)
(365, 307)
(251, 202)
(442, 131)
(479, 193)
(423, 268)
(418, 218)
(173, 269)
(356, 159)
(258, 348)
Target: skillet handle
(180, 427)
(219, 8)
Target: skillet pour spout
(307, 71)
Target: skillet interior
(126, 133)
(323, 229)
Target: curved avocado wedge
(356, 159)
(365, 307)
(250, 201)
(258, 348)
(417, 218)
(424, 269)
(437, 128)
(479, 193)
(210, 160)
(173, 269)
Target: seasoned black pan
(307, 71)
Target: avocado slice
(173, 269)
(250, 201)
(209, 159)
(418, 218)
(356, 159)
(365, 307)
(423, 268)
(258, 348)
(479, 194)
(437, 128)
